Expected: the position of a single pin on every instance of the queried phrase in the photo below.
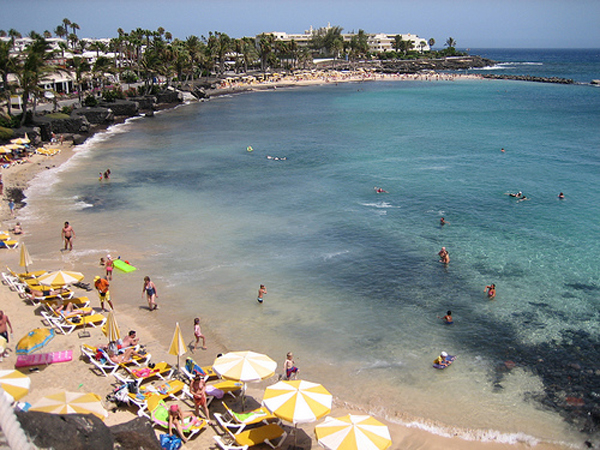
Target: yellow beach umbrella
(298, 401)
(15, 384)
(25, 259)
(244, 366)
(178, 346)
(5, 149)
(21, 141)
(111, 329)
(60, 278)
(353, 432)
(71, 403)
(34, 340)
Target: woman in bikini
(150, 290)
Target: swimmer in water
(561, 196)
(447, 318)
(444, 255)
(380, 190)
(523, 198)
(443, 222)
(517, 195)
(491, 291)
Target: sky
(472, 23)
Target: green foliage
(90, 100)
(131, 92)
(129, 76)
(6, 133)
(67, 110)
(110, 95)
(58, 115)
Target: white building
(378, 42)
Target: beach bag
(170, 442)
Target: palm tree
(47, 34)
(265, 45)
(60, 31)
(32, 69)
(8, 64)
(74, 27)
(2, 33)
(450, 42)
(81, 66)
(431, 43)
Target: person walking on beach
(109, 267)
(68, 234)
(261, 291)
(150, 289)
(102, 285)
(198, 334)
(11, 206)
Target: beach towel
(193, 368)
(44, 358)
(213, 391)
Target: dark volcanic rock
(47, 125)
(122, 107)
(530, 78)
(145, 102)
(66, 431)
(79, 139)
(168, 97)
(95, 116)
(450, 63)
(135, 435)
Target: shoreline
(413, 435)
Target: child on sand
(198, 334)
(109, 267)
(289, 366)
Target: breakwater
(556, 80)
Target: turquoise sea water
(354, 283)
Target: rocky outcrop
(147, 102)
(86, 431)
(168, 96)
(419, 65)
(66, 431)
(122, 107)
(529, 78)
(48, 125)
(95, 115)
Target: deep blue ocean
(354, 283)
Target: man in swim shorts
(261, 291)
(102, 285)
(68, 234)
(4, 324)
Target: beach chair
(163, 390)
(26, 275)
(100, 360)
(66, 325)
(272, 435)
(191, 368)
(161, 370)
(9, 243)
(236, 422)
(159, 414)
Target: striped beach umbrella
(60, 278)
(111, 329)
(244, 366)
(71, 403)
(298, 401)
(15, 384)
(25, 259)
(178, 346)
(353, 432)
(34, 340)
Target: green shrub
(90, 100)
(67, 110)
(58, 115)
(110, 95)
(6, 133)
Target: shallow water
(354, 285)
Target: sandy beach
(155, 332)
